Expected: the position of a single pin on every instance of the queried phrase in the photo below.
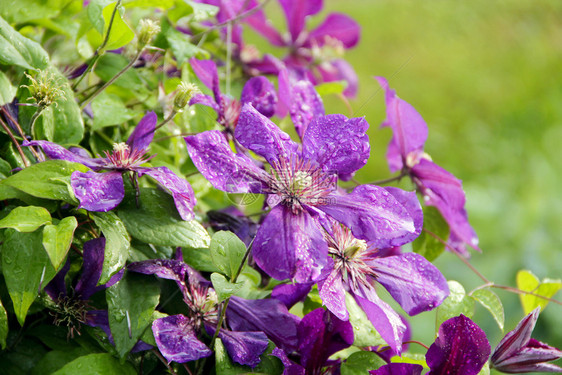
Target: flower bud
(184, 93)
(148, 29)
(44, 88)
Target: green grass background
(487, 78)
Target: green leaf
(528, 282)
(131, 303)
(182, 49)
(56, 359)
(26, 219)
(58, 238)
(485, 369)
(96, 364)
(457, 303)
(492, 303)
(3, 326)
(227, 252)
(200, 259)
(359, 363)
(364, 332)
(329, 88)
(8, 192)
(95, 13)
(157, 221)
(19, 11)
(413, 358)
(49, 179)
(109, 110)
(67, 116)
(223, 287)
(161, 4)
(116, 246)
(110, 64)
(26, 268)
(15, 49)
(121, 33)
(426, 244)
(7, 91)
(202, 12)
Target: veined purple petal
(225, 170)
(516, 339)
(54, 151)
(257, 133)
(179, 188)
(57, 287)
(461, 348)
(205, 100)
(321, 334)
(177, 341)
(398, 369)
(415, 283)
(170, 269)
(340, 70)
(409, 130)
(260, 93)
(140, 138)
(385, 320)
(206, 71)
(332, 292)
(336, 26)
(290, 245)
(244, 348)
(290, 294)
(291, 368)
(99, 192)
(337, 143)
(93, 255)
(444, 191)
(409, 200)
(259, 22)
(296, 12)
(269, 316)
(372, 214)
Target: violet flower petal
(516, 339)
(372, 214)
(179, 188)
(337, 26)
(244, 348)
(296, 12)
(291, 294)
(166, 269)
(99, 192)
(177, 341)
(205, 100)
(461, 348)
(409, 200)
(269, 316)
(321, 334)
(140, 138)
(257, 133)
(415, 283)
(291, 368)
(57, 286)
(332, 292)
(409, 130)
(54, 151)
(398, 369)
(290, 245)
(258, 21)
(337, 143)
(93, 255)
(260, 93)
(206, 71)
(385, 320)
(225, 170)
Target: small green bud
(184, 93)
(148, 29)
(44, 88)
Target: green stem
(113, 79)
(16, 143)
(21, 133)
(168, 119)
(402, 174)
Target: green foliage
(131, 303)
(109, 110)
(7, 90)
(223, 287)
(528, 282)
(121, 34)
(3, 326)
(26, 219)
(426, 244)
(58, 238)
(492, 303)
(95, 364)
(359, 363)
(363, 331)
(458, 302)
(15, 49)
(227, 252)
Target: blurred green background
(487, 78)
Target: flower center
(203, 304)
(122, 158)
(70, 312)
(231, 112)
(296, 183)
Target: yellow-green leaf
(528, 282)
(58, 238)
(26, 219)
(120, 33)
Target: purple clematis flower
(461, 348)
(398, 369)
(72, 308)
(258, 91)
(250, 322)
(301, 189)
(411, 280)
(320, 334)
(104, 191)
(440, 188)
(518, 353)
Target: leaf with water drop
(227, 252)
(492, 303)
(116, 246)
(58, 238)
(223, 287)
(15, 49)
(426, 244)
(96, 364)
(359, 363)
(457, 303)
(26, 219)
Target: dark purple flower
(233, 220)
(517, 352)
(410, 279)
(461, 348)
(301, 189)
(398, 369)
(440, 188)
(258, 91)
(104, 191)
